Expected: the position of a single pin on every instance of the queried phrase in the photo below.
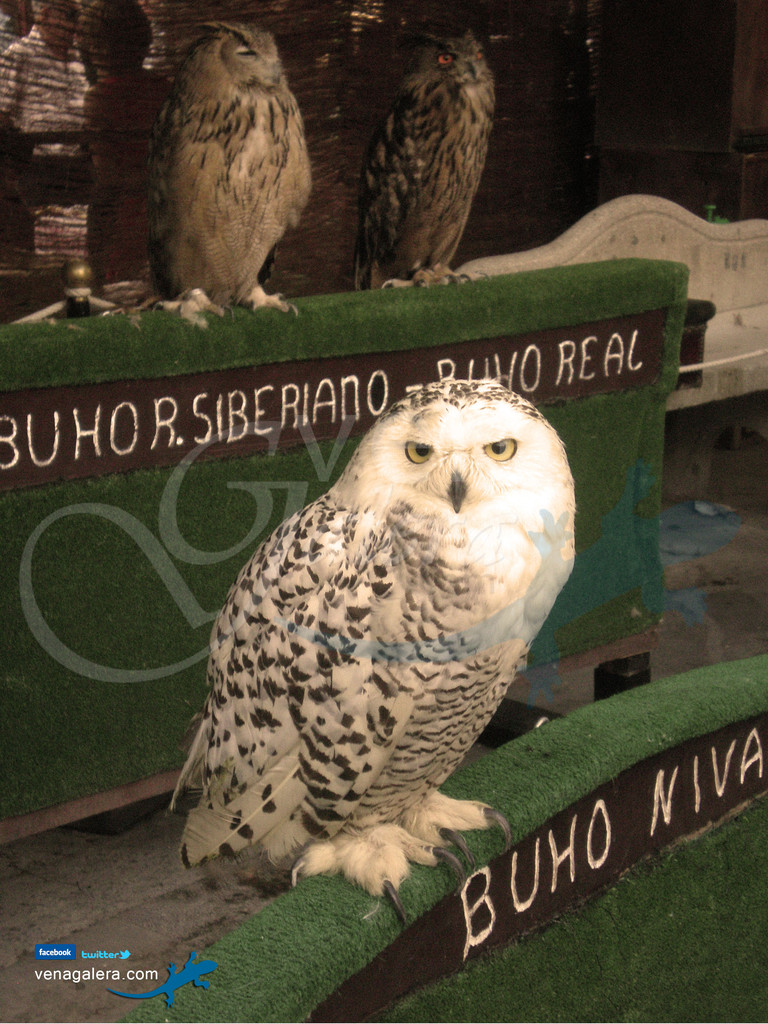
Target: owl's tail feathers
(225, 822)
(191, 779)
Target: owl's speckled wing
(390, 188)
(294, 730)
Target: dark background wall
(595, 99)
(343, 60)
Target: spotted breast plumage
(370, 638)
(229, 172)
(423, 165)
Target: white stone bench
(728, 266)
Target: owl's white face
(462, 454)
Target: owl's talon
(394, 897)
(298, 865)
(279, 301)
(258, 299)
(498, 819)
(453, 862)
(457, 839)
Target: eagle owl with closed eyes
(228, 172)
(423, 166)
(370, 638)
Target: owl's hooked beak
(457, 490)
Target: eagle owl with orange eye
(229, 172)
(370, 638)
(423, 166)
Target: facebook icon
(55, 951)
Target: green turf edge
(158, 344)
(285, 960)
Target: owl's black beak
(457, 491)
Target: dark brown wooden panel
(86, 430)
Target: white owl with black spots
(370, 638)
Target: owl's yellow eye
(416, 452)
(501, 451)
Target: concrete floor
(129, 891)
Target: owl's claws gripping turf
(452, 861)
(457, 839)
(387, 889)
(440, 853)
(426, 276)
(258, 298)
(190, 305)
(397, 903)
(377, 856)
(497, 818)
(367, 856)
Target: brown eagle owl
(228, 170)
(423, 165)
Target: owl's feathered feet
(190, 305)
(426, 276)
(377, 857)
(258, 298)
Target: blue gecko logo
(176, 979)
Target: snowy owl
(370, 638)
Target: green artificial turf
(680, 935)
(158, 344)
(109, 592)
